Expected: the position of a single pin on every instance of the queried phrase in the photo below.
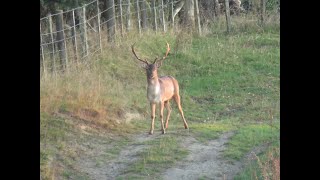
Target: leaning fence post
(83, 32)
(99, 28)
(61, 40)
(42, 55)
(74, 38)
(52, 55)
(227, 15)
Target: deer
(160, 90)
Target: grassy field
(227, 83)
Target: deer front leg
(161, 117)
(153, 115)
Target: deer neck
(153, 91)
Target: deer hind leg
(153, 115)
(177, 99)
(167, 105)
(161, 117)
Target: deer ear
(158, 64)
(144, 66)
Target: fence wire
(80, 34)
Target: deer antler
(168, 49)
(155, 60)
(145, 61)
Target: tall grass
(112, 82)
(265, 166)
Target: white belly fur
(154, 93)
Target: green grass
(60, 145)
(204, 132)
(251, 136)
(116, 148)
(161, 154)
(264, 166)
(219, 73)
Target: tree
(188, 14)
(109, 16)
(51, 6)
(143, 14)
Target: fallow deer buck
(160, 90)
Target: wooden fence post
(61, 41)
(42, 60)
(99, 28)
(227, 15)
(74, 38)
(52, 54)
(83, 32)
(121, 19)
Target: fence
(71, 37)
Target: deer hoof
(151, 132)
(163, 131)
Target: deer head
(151, 68)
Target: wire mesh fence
(69, 38)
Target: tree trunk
(155, 26)
(128, 16)
(262, 11)
(110, 20)
(61, 41)
(188, 16)
(138, 16)
(198, 17)
(121, 17)
(217, 8)
(143, 15)
(162, 17)
(177, 8)
(227, 15)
